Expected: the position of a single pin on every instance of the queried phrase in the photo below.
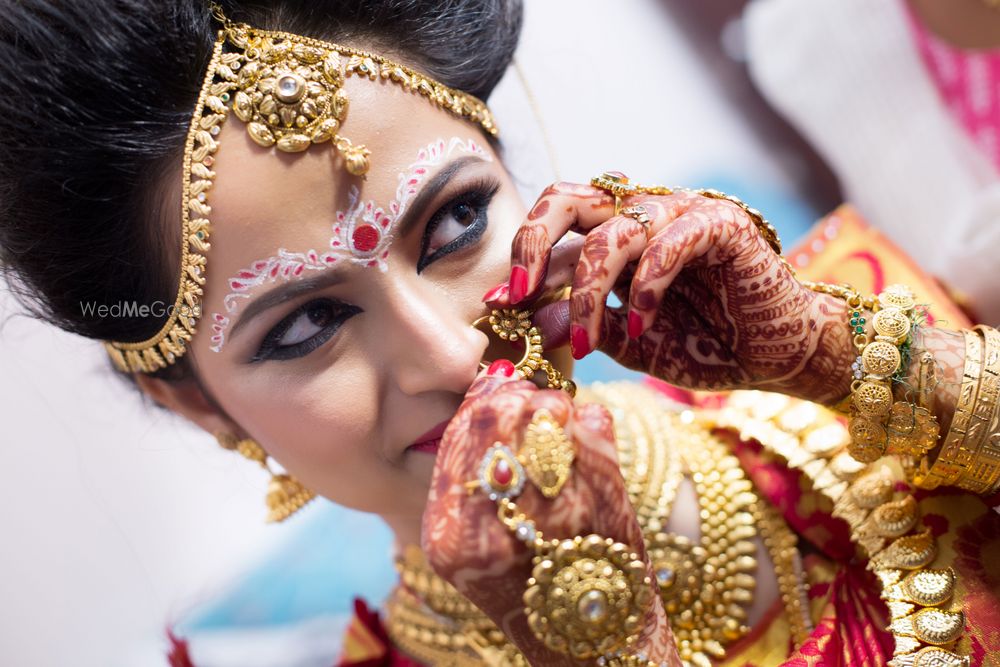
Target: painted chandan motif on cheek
(361, 234)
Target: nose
(433, 345)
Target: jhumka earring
(511, 325)
(285, 494)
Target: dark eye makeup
(458, 224)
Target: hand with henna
(467, 544)
(707, 304)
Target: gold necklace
(705, 586)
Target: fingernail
(579, 343)
(501, 367)
(518, 283)
(497, 292)
(634, 324)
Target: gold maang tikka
(289, 91)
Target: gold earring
(285, 494)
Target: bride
(327, 265)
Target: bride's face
(336, 324)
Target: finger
(597, 462)
(688, 238)
(498, 418)
(606, 252)
(553, 321)
(490, 414)
(563, 206)
(562, 260)
(487, 381)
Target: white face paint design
(361, 234)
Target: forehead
(264, 199)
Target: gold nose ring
(512, 324)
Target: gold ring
(640, 215)
(547, 453)
(616, 185)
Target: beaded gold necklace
(705, 584)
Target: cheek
(323, 428)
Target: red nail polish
(634, 324)
(501, 367)
(579, 343)
(497, 292)
(518, 283)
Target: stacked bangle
(970, 454)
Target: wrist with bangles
(890, 368)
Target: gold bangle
(983, 473)
(953, 459)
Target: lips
(431, 440)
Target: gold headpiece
(288, 89)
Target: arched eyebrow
(329, 277)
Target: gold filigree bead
(868, 439)
(873, 399)
(933, 656)
(881, 358)
(929, 588)
(912, 430)
(891, 322)
(897, 296)
(894, 519)
(872, 490)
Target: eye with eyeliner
(473, 201)
(323, 316)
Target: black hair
(95, 102)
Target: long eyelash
(478, 195)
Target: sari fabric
(849, 618)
